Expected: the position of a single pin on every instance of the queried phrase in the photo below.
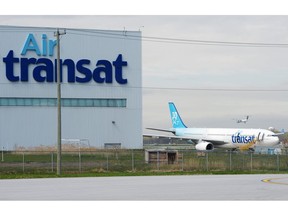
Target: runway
(150, 188)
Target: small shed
(161, 156)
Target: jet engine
(204, 146)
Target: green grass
(113, 174)
(119, 163)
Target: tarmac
(149, 188)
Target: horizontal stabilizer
(163, 130)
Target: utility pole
(59, 147)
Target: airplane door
(263, 135)
(260, 136)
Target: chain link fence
(121, 160)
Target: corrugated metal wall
(34, 126)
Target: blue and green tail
(175, 117)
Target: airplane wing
(278, 134)
(187, 138)
(169, 137)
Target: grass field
(36, 164)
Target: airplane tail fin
(175, 117)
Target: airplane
(206, 139)
(242, 120)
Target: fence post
(107, 164)
(182, 162)
(132, 161)
(251, 161)
(278, 162)
(157, 160)
(207, 162)
(80, 161)
(2, 154)
(52, 162)
(230, 160)
(23, 164)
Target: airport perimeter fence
(121, 160)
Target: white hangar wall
(101, 87)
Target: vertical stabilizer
(175, 117)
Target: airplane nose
(276, 140)
(271, 140)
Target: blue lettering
(52, 44)
(44, 45)
(44, 70)
(70, 68)
(241, 139)
(107, 70)
(238, 138)
(83, 70)
(47, 67)
(233, 139)
(118, 64)
(9, 60)
(25, 62)
(55, 70)
(31, 45)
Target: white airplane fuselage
(210, 138)
(233, 138)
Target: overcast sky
(187, 67)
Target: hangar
(101, 79)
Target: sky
(190, 66)
(200, 79)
